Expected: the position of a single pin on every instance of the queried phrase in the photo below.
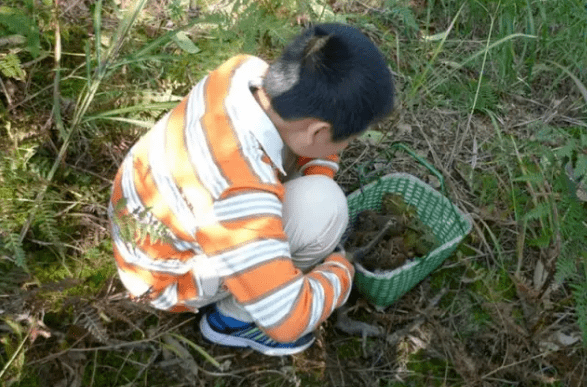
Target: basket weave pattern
(448, 223)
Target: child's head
(333, 73)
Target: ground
(502, 310)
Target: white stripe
(167, 299)
(133, 283)
(248, 204)
(198, 282)
(336, 285)
(317, 305)
(274, 308)
(197, 146)
(164, 180)
(250, 255)
(135, 256)
(320, 162)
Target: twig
(136, 344)
(543, 354)
(14, 355)
(8, 99)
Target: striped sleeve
(327, 166)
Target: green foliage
(559, 218)
(140, 225)
(400, 14)
(10, 67)
(465, 96)
(14, 361)
(20, 185)
(430, 370)
(255, 26)
(21, 22)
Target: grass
(491, 93)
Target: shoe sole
(241, 342)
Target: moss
(432, 371)
(113, 369)
(350, 349)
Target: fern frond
(566, 269)
(47, 223)
(14, 246)
(90, 320)
(541, 211)
(10, 67)
(580, 295)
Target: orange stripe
(266, 278)
(333, 158)
(117, 188)
(297, 320)
(179, 308)
(302, 160)
(161, 250)
(318, 170)
(217, 238)
(150, 195)
(249, 187)
(181, 166)
(222, 139)
(186, 287)
(117, 196)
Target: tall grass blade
(421, 79)
(98, 30)
(57, 79)
(199, 349)
(83, 103)
(577, 81)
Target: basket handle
(418, 158)
(413, 154)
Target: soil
(407, 237)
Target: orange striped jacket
(201, 196)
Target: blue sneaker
(224, 330)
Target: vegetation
(492, 93)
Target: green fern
(486, 97)
(10, 67)
(566, 269)
(541, 211)
(140, 225)
(15, 248)
(17, 21)
(21, 180)
(580, 295)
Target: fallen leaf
(565, 339)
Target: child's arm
(310, 166)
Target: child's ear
(320, 131)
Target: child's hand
(348, 255)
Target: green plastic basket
(448, 223)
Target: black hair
(334, 73)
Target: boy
(229, 199)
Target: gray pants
(315, 216)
